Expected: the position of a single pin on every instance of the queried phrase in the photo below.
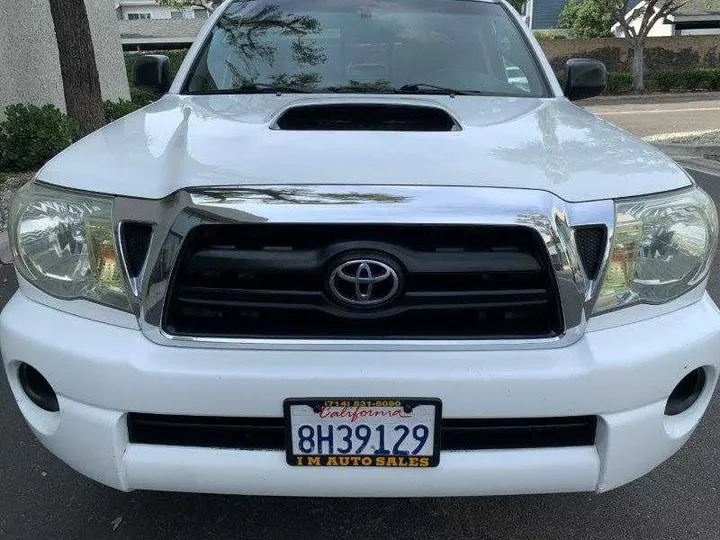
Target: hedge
(545, 34)
(692, 80)
(619, 83)
(688, 81)
(30, 136)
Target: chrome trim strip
(552, 217)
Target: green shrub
(666, 81)
(540, 35)
(141, 97)
(118, 109)
(684, 80)
(619, 83)
(675, 80)
(30, 136)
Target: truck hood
(199, 141)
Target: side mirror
(153, 71)
(584, 78)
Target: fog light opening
(37, 388)
(686, 393)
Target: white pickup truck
(350, 253)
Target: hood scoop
(365, 117)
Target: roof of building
(142, 32)
(547, 12)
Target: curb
(685, 151)
(651, 97)
(705, 166)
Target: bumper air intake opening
(686, 393)
(269, 433)
(37, 388)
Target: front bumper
(623, 375)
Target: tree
(587, 18)
(518, 4)
(210, 5)
(636, 24)
(81, 82)
(249, 36)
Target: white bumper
(100, 372)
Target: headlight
(662, 248)
(63, 244)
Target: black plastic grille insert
(591, 242)
(269, 433)
(135, 238)
(271, 281)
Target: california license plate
(363, 432)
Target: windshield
(376, 46)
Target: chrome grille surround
(553, 218)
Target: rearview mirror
(584, 78)
(153, 71)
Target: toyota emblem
(364, 282)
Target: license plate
(363, 432)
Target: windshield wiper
(420, 88)
(257, 88)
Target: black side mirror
(584, 78)
(153, 71)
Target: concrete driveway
(654, 115)
(41, 498)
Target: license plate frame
(292, 457)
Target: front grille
(269, 433)
(272, 281)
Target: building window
(176, 15)
(138, 16)
(201, 14)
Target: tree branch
(205, 4)
(668, 8)
(620, 15)
(209, 5)
(649, 13)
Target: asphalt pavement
(659, 114)
(41, 498)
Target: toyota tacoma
(363, 248)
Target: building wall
(546, 13)
(108, 50)
(678, 52)
(157, 33)
(30, 65)
(157, 12)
